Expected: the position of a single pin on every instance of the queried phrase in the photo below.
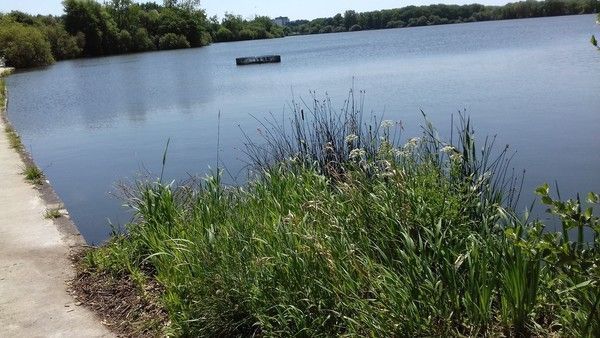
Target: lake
(91, 123)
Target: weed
(52, 214)
(14, 140)
(33, 174)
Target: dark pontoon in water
(257, 60)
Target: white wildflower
(456, 156)
(399, 152)
(387, 124)
(357, 153)
(351, 138)
(412, 143)
(414, 140)
(448, 149)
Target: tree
(125, 41)
(224, 34)
(86, 16)
(63, 45)
(142, 41)
(355, 28)
(120, 10)
(173, 41)
(326, 29)
(350, 19)
(24, 46)
(188, 5)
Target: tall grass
(358, 236)
(2, 92)
(33, 174)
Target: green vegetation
(345, 231)
(52, 214)
(593, 39)
(24, 46)
(89, 28)
(33, 174)
(2, 93)
(235, 28)
(14, 140)
(441, 14)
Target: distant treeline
(89, 28)
(441, 14)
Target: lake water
(90, 123)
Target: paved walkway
(34, 263)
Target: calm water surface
(90, 123)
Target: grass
(377, 238)
(13, 137)
(33, 174)
(52, 213)
(14, 140)
(2, 91)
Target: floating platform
(252, 60)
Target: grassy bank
(347, 230)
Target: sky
(294, 9)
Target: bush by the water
(173, 41)
(23, 46)
(345, 230)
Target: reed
(347, 231)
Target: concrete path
(34, 263)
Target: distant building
(282, 21)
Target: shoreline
(64, 224)
(36, 254)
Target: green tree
(24, 46)
(224, 34)
(85, 16)
(326, 29)
(63, 45)
(350, 19)
(125, 41)
(355, 28)
(142, 41)
(173, 41)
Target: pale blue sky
(295, 9)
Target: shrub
(224, 34)
(326, 29)
(125, 41)
(63, 45)
(142, 41)
(173, 41)
(396, 24)
(24, 46)
(355, 28)
(247, 34)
